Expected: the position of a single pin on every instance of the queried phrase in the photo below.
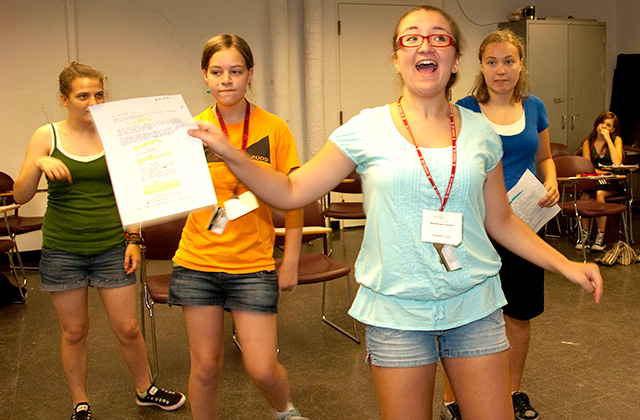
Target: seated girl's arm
(313, 180)
(37, 161)
(512, 233)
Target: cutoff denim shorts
(253, 292)
(62, 270)
(387, 347)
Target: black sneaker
(167, 400)
(522, 407)
(450, 411)
(82, 411)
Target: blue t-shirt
(520, 149)
(403, 284)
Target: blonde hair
(480, 90)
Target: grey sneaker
(599, 244)
(450, 411)
(158, 397)
(522, 407)
(585, 237)
(82, 411)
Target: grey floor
(584, 361)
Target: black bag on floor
(9, 292)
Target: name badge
(218, 220)
(241, 205)
(441, 227)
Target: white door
(367, 75)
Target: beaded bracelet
(133, 238)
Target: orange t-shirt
(246, 244)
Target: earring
(209, 91)
(454, 70)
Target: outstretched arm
(313, 180)
(512, 233)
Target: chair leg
(147, 302)
(14, 271)
(583, 240)
(353, 336)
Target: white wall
(153, 47)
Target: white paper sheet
(524, 198)
(157, 170)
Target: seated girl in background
(602, 146)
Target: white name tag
(441, 227)
(241, 205)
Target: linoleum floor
(584, 361)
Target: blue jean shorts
(253, 292)
(388, 347)
(62, 270)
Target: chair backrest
(6, 185)
(352, 184)
(312, 217)
(568, 166)
(162, 240)
(559, 149)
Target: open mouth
(426, 66)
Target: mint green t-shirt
(402, 283)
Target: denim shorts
(62, 270)
(253, 292)
(388, 347)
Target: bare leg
(481, 386)
(519, 335)
(405, 393)
(71, 307)
(257, 335)
(204, 330)
(120, 303)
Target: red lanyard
(245, 131)
(245, 134)
(424, 164)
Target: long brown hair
(606, 115)
(458, 40)
(480, 90)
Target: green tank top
(81, 217)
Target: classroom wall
(152, 47)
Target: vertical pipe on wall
(72, 33)
(314, 86)
(279, 46)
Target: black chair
(10, 249)
(15, 223)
